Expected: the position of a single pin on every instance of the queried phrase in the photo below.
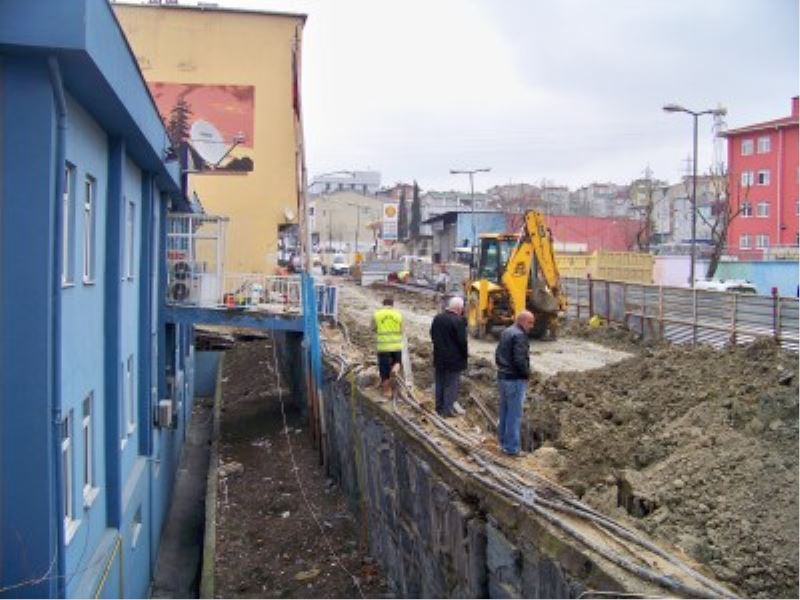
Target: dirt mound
(613, 335)
(697, 446)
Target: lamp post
(695, 114)
(471, 173)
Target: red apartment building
(763, 177)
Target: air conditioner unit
(180, 276)
(165, 413)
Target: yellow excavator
(515, 272)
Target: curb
(210, 530)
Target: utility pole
(471, 173)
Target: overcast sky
(564, 90)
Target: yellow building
(224, 80)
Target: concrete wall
(435, 533)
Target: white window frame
(87, 425)
(130, 229)
(762, 209)
(747, 209)
(67, 227)
(131, 396)
(68, 478)
(762, 241)
(747, 178)
(744, 241)
(136, 526)
(764, 144)
(747, 147)
(762, 177)
(89, 194)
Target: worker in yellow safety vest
(388, 323)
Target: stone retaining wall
(435, 532)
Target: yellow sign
(390, 210)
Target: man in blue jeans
(512, 358)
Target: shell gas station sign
(390, 217)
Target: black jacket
(512, 356)
(449, 335)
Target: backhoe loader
(515, 272)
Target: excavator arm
(535, 241)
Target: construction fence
(683, 315)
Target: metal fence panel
(684, 315)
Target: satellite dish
(207, 141)
(289, 214)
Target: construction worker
(512, 358)
(388, 323)
(449, 336)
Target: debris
(285, 514)
(306, 575)
(230, 468)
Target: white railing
(267, 293)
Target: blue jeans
(512, 393)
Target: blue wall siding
(82, 341)
(484, 223)
(782, 274)
(29, 515)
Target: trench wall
(435, 532)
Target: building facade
(763, 178)
(227, 81)
(85, 356)
(362, 182)
(344, 221)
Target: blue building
(95, 385)
(461, 229)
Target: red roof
(598, 233)
(774, 124)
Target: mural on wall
(212, 124)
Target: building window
(744, 241)
(136, 526)
(762, 209)
(747, 209)
(89, 488)
(67, 485)
(747, 147)
(88, 230)
(67, 225)
(763, 177)
(747, 178)
(130, 222)
(763, 144)
(762, 241)
(130, 404)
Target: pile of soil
(696, 446)
(268, 542)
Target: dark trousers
(447, 383)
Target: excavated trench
(696, 448)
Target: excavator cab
(493, 256)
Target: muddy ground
(695, 446)
(268, 542)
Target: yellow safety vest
(389, 327)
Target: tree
(645, 233)
(416, 213)
(178, 125)
(402, 217)
(726, 205)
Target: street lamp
(358, 208)
(471, 173)
(695, 114)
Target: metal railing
(683, 315)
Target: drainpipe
(55, 384)
(779, 177)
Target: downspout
(779, 173)
(55, 384)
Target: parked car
(741, 286)
(339, 265)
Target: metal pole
(472, 202)
(358, 225)
(694, 204)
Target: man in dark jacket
(449, 335)
(512, 358)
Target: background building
(341, 219)
(763, 178)
(224, 81)
(85, 356)
(362, 182)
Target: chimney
(794, 106)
